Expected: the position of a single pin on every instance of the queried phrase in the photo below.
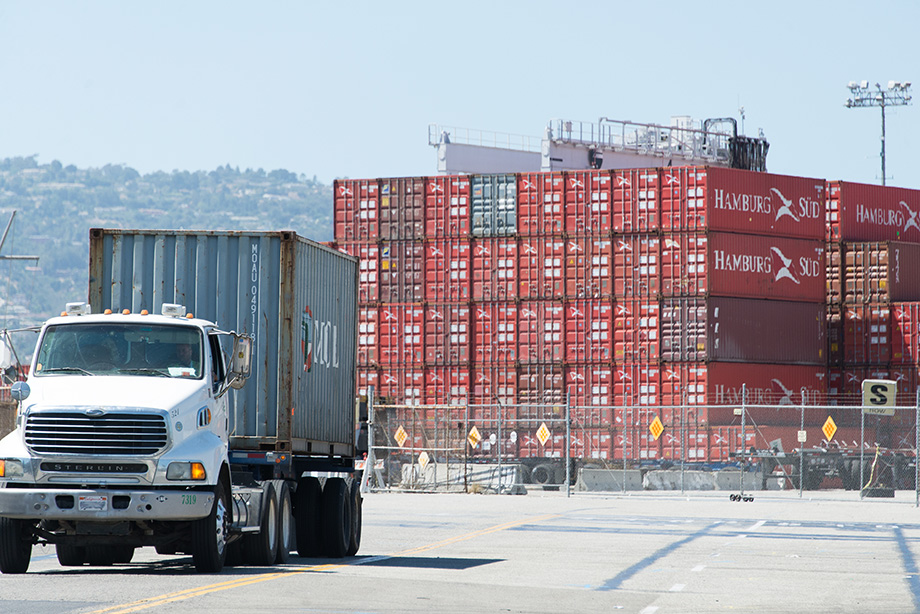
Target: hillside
(56, 206)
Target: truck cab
(121, 439)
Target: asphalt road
(648, 553)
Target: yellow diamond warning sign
(829, 428)
(543, 434)
(474, 437)
(423, 459)
(656, 427)
(401, 436)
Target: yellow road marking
(152, 602)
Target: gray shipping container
(295, 297)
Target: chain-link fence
(506, 447)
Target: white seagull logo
(786, 209)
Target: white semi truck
(228, 435)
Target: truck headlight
(186, 471)
(10, 468)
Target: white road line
(677, 588)
(699, 568)
(649, 610)
(758, 525)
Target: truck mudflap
(69, 504)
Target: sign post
(878, 397)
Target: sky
(349, 89)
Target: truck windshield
(120, 349)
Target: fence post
(627, 415)
(862, 449)
(369, 462)
(683, 437)
(917, 448)
(743, 440)
(500, 441)
(568, 443)
(466, 445)
(802, 451)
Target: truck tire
(543, 474)
(101, 556)
(338, 513)
(15, 545)
(307, 500)
(286, 540)
(70, 556)
(356, 501)
(209, 534)
(124, 554)
(261, 548)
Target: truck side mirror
(240, 362)
(20, 391)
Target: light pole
(897, 94)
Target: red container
(867, 334)
(494, 383)
(587, 267)
(590, 387)
(495, 332)
(636, 266)
(712, 391)
(402, 385)
(587, 443)
(861, 212)
(588, 330)
(367, 336)
(726, 441)
(588, 198)
(635, 200)
(541, 331)
(743, 330)
(845, 385)
(447, 206)
(635, 384)
(727, 264)
(402, 208)
(636, 330)
(448, 335)
(368, 377)
(447, 267)
(494, 269)
(732, 200)
(402, 272)
(541, 266)
(542, 384)
(540, 204)
(447, 385)
(401, 337)
(835, 258)
(905, 333)
(881, 272)
(368, 266)
(636, 442)
(355, 209)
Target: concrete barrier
(670, 479)
(455, 477)
(608, 479)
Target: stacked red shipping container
(873, 235)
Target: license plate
(93, 503)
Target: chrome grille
(109, 434)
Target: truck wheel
(543, 474)
(355, 501)
(262, 548)
(124, 554)
(15, 545)
(306, 517)
(286, 541)
(209, 534)
(337, 517)
(70, 556)
(101, 556)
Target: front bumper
(104, 505)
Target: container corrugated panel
(367, 336)
(448, 334)
(743, 330)
(872, 213)
(493, 205)
(297, 298)
(541, 268)
(588, 330)
(731, 200)
(867, 334)
(834, 267)
(447, 385)
(591, 388)
(588, 443)
(402, 208)
(835, 335)
(635, 201)
(636, 266)
(541, 206)
(540, 331)
(636, 330)
(588, 202)
(492, 383)
(753, 266)
(877, 272)
(541, 384)
(495, 269)
(905, 333)
(448, 270)
(355, 209)
(368, 255)
(402, 384)
(401, 335)
(588, 267)
(402, 272)
(447, 206)
(636, 383)
(368, 377)
(495, 332)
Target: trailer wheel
(262, 548)
(307, 500)
(124, 554)
(70, 556)
(543, 474)
(337, 517)
(355, 500)
(15, 545)
(101, 556)
(209, 534)
(286, 541)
